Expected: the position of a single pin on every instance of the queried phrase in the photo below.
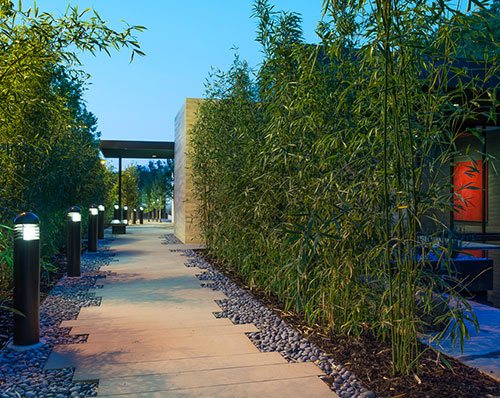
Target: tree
(156, 183)
(30, 37)
(477, 33)
(314, 180)
(49, 144)
(130, 188)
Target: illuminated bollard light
(134, 216)
(100, 222)
(92, 230)
(141, 215)
(125, 215)
(74, 235)
(27, 279)
(117, 226)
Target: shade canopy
(137, 149)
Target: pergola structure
(135, 150)
(185, 202)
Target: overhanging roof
(137, 149)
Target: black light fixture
(26, 279)
(74, 239)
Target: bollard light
(74, 236)
(116, 214)
(92, 229)
(27, 279)
(117, 227)
(125, 215)
(100, 222)
(134, 216)
(141, 215)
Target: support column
(484, 182)
(117, 226)
(120, 183)
(172, 210)
(452, 192)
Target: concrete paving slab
(151, 335)
(482, 350)
(107, 371)
(182, 246)
(72, 355)
(177, 294)
(124, 324)
(144, 303)
(174, 282)
(303, 387)
(489, 365)
(169, 268)
(206, 378)
(155, 329)
(136, 312)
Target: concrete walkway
(155, 335)
(482, 350)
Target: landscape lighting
(74, 239)
(92, 229)
(26, 298)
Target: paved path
(482, 351)
(155, 335)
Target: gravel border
(21, 373)
(170, 239)
(275, 334)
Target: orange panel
(468, 182)
(473, 253)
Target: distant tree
(478, 32)
(156, 183)
(110, 187)
(130, 188)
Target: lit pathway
(155, 335)
(482, 351)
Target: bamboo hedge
(49, 143)
(323, 176)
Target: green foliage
(31, 38)
(324, 179)
(156, 183)
(6, 257)
(130, 188)
(110, 188)
(49, 146)
(479, 35)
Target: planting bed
(366, 357)
(22, 373)
(48, 280)
(275, 333)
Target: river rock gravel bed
(275, 334)
(21, 372)
(170, 239)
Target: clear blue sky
(184, 40)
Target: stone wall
(185, 226)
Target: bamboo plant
(322, 176)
